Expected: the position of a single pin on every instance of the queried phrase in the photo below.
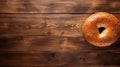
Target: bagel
(101, 29)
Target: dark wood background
(48, 33)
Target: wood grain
(37, 24)
(38, 40)
(42, 24)
(48, 33)
(59, 6)
(59, 58)
(50, 43)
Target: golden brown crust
(101, 19)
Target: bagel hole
(101, 29)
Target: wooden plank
(42, 24)
(59, 58)
(44, 32)
(24, 24)
(50, 43)
(81, 65)
(59, 6)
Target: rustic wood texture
(38, 24)
(59, 58)
(59, 6)
(50, 43)
(48, 33)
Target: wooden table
(48, 33)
